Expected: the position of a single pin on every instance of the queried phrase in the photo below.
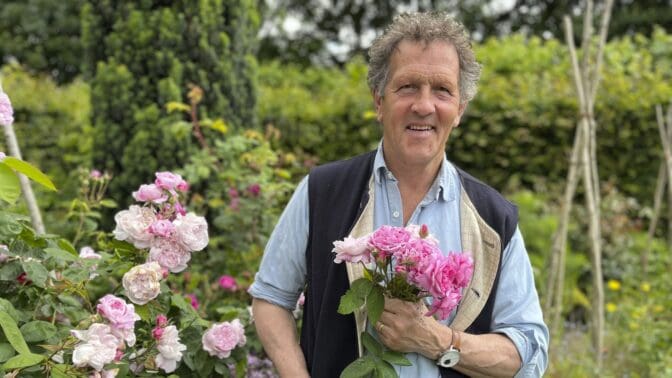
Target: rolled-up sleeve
(281, 276)
(517, 312)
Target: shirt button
(395, 214)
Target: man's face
(420, 104)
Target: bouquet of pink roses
(404, 263)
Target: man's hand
(403, 327)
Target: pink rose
(169, 254)
(444, 306)
(422, 232)
(2, 155)
(161, 320)
(132, 225)
(157, 332)
(388, 240)
(150, 193)
(411, 260)
(352, 250)
(191, 232)
(254, 190)
(445, 277)
(222, 338)
(6, 111)
(193, 300)
(119, 313)
(162, 227)
(169, 181)
(95, 174)
(228, 283)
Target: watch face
(450, 358)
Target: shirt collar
(444, 187)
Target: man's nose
(423, 104)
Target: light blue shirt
(516, 312)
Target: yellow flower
(611, 307)
(633, 326)
(614, 285)
(645, 286)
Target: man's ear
(378, 103)
(460, 112)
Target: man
(422, 74)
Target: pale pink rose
(142, 282)
(98, 346)
(301, 300)
(170, 349)
(169, 254)
(191, 231)
(2, 155)
(3, 256)
(388, 240)
(95, 174)
(120, 314)
(132, 225)
(150, 193)
(112, 373)
(422, 232)
(6, 111)
(162, 227)
(169, 181)
(352, 250)
(222, 338)
(227, 282)
(88, 253)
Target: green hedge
(520, 127)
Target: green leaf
(360, 367)
(143, 312)
(108, 203)
(375, 302)
(10, 187)
(8, 308)
(395, 358)
(65, 245)
(372, 345)
(70, 300)
(30, 172)
(355, 296)
(12, 333)
(23, 360)
(385, 370)
(6, 352)
(60, 254)
(37, 330)
(36, 272)
(59, 371)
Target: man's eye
(406, 88)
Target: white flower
(99, 346)
(170, 349)
(191, 231)
(88, 253)
(169, 254)
(142, 282)
(132, 225)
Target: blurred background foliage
(92, 83)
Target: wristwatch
(451, 357)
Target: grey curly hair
(424, 27)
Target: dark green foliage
(141, 55)
(520, 127)
(43, 35)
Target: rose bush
(121, 308)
